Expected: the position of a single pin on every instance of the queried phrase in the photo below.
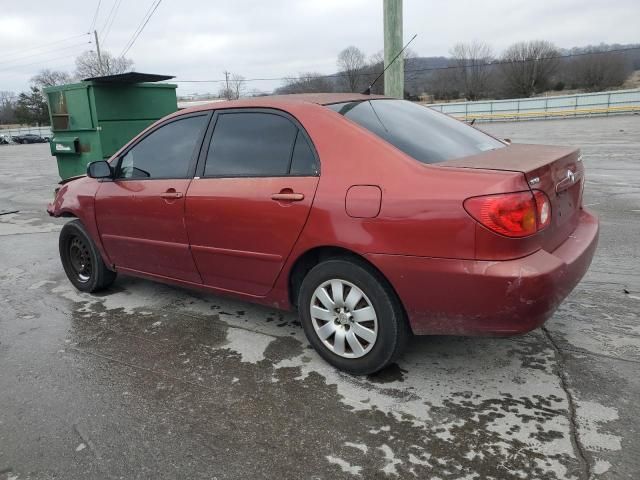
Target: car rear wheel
(351, 316)
(81, 260)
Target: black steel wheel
(81, 259)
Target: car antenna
(368, 90)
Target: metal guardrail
(562, 106)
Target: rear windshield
(424, 134)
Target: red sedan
(374, 217)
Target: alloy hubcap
(344, 319)
(80, 259)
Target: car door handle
(287, 197)
(171, 195)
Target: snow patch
(360, 446)
(345, 466)
(250, 345)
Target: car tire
(351, 316)
(81, 259)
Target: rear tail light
(518, 214)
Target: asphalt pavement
(151, 381)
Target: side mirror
(507, 141)
(99, 169)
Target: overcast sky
(199, 39)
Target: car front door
(256, 179)
(140, 213)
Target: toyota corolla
(374, 217)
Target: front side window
(420, 132)
(256, 144)
(166, 152)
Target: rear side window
(246, 144)
(303, 162)
(420, 132)
(166, 152)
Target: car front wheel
(351, 316)
(81, 260)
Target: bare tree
(528, 66)
(598, 70)
(472, 70)
(443, 84)
(413, 80)
(7, 107)
(310, 82)
(375, 66)
(351, 62)
(49, 78)
(237, 85)
(234, 88)
(88, 65)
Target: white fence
(42, 131)
(562, 106)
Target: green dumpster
(93, 119)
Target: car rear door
(256, 179)
(140, 213)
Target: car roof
(275, 101)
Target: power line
(426, 69)
(136, 34)
(39, 62)
(95, 16)
(106, 21)
(19, 52)
(108, 26)
(146, 14)
(68, 47)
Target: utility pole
(95, 34)
(226, 90)
(394, 76)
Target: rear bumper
(468, 297)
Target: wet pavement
(151, 381)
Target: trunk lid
(557, 171)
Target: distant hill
(439, 77)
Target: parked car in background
(29, 138)
(5, 139)
(374, 217)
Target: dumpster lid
(130, 77)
